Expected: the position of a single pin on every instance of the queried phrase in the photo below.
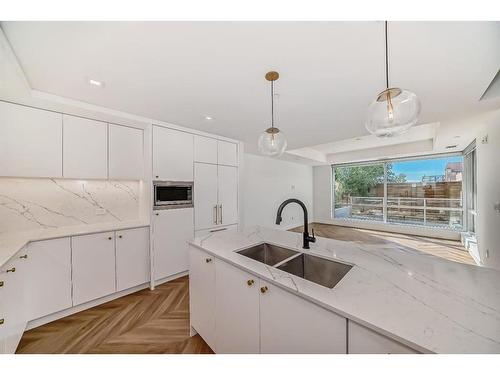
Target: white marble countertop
(425, 302)
(12, 242)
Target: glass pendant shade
(272, 142)
(393, 112)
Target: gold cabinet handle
(264, 289)
(250, 282)
(2, 321)
(157, 214)
(25, 256)
(110, 238)
(13, 269)
(120, 236)
(1, 284)
(208, 260)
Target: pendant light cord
(386, 59)
(272, 104)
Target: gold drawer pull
(250, 282)
(208, 260)
(13, 269)
(1, 284)
(110, 238)
(2, 321)
(25, 256)
(264, 289)
(120, 236)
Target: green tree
(360, 180)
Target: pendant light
(395, 110)
(272, 141)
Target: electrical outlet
(484, 140)
(100, 211)
(496, 207)
(293, 187)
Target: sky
(415, 169)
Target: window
(359, 192)
(424, 191)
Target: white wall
(265, 183)
(488, 189)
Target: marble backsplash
(27, 204)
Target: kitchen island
(392, 300)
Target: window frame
(384, 162)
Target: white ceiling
(179, 72)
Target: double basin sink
(318, 270)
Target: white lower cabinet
(171, 231)
(365, 341)
(12, 304)
(93, 265)
(48, 277)
(290, 324)
(202, 294)
(237, 310)
(132, 258)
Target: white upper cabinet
(85, 148)
(205, 149)
(48, 276)
(132, 258)
(227, 153)
(172, 155)
(209, 150)
(30, 142)
(93, 266)
(126, 155)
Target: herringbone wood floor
(144, 322)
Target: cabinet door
(12, 304)
(49, 277)
(202, 294)
(132, 258)
(237, 310)
(227, 153)
(93, 265)
(205, 149)
(85, 148)
(30, 142)
(172, 155)
(291, 324)
(205, 195)
(126, 155)
(171, 231)
(228, 195)
(365, 341)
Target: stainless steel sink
(267, 253)
(318, 270)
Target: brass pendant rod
(386, 59)
(272, 104)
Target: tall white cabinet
(171, 231)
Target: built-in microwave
(172, 194)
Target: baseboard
(73, 310)
(170, 278)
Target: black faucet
(305, 235)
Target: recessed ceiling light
(451, 146)
(209, 118)
(94, 82)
